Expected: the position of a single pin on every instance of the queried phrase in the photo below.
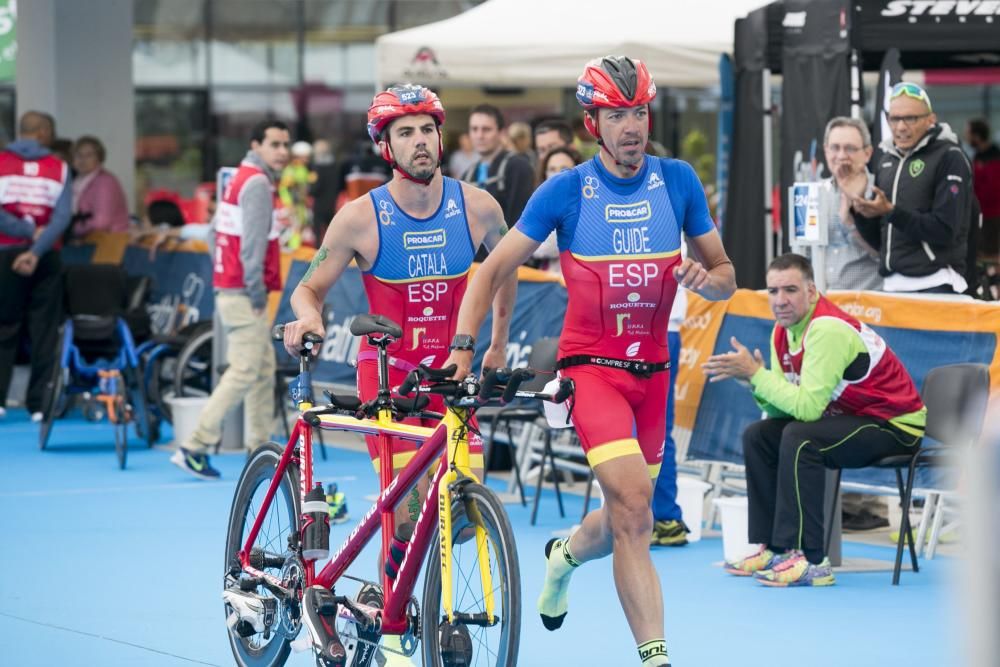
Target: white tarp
(532, 43)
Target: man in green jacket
(836, 397)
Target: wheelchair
(98, 364)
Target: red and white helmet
(613, 82)
(398, 101)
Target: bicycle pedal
(326, 603)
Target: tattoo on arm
(320, 255)
(413, 505)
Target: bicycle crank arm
(250, 584)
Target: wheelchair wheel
(120, 418)
(56, 406)
(193, 372)
(146, 425)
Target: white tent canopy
(534, 43)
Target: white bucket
(691, 498)
(734, 513)
(185, 411)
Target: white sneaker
(36, 417)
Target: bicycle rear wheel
(270, 648)
(494, 645)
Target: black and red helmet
(613, 82)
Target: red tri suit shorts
(403, 450)
(617, 413)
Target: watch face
(463, 342)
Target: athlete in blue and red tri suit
(618, 220)
(414, 240)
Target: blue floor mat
(105, 567)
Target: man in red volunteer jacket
(246, 267)
(35, 207)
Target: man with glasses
(851, 262)
(918, 216)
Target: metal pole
(768, 210)
(855, 85)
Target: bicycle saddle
(362, 325)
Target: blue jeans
(665, 507)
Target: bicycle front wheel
(471, 644)
(281, 521)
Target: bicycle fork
(461, 471)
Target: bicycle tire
(506, 576)
(254, 481)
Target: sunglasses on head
(911, 90)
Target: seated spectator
(550, 134)
(836, 397)
(98, 199)
(921, 226)
(546, 256)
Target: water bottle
(316, 532)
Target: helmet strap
(387, 154)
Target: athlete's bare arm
(352, 234)
(500, 266)
(710, 272)
(488, 228)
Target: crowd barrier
(924, 331)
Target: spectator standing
(550, 134)
(922, 205)
(508, 178)
(986, 181)
(35, 205)
(362, 172)
(323, 189)
(851, 262)
(552, 162)
(246, 268)
(462, 158)
(293, 190)
(669, 529)
(836, 396)
(98, 199)
(519, 138)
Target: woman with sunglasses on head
(922, 204)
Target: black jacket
(931, 189)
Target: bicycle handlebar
(309, 339)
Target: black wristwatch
(463, 342)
